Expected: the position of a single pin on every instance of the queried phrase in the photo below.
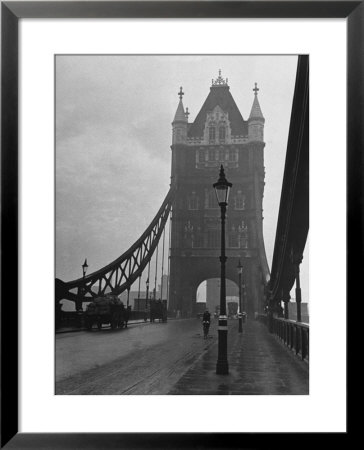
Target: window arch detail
(222, 133)
(193, 201)
(240, 200)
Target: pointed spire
(180, 115)
(256, 112)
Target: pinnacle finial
(220, 80)
(181, 93)
(256, 89)
(187, 113)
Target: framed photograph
(158, 286)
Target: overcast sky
(113, 137)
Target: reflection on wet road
(143, 359)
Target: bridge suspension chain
(140, 279)
(169, 253)
(119, 275)
(164, 238)
(156, 274)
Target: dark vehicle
(141, 306)
(106, 310)
(158, 310)
(232, 309)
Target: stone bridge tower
(218, 135)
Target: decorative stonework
(217, 121)
(219, 81)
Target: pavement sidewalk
(258, 365)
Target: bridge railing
(295, 335)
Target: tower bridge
(218, 137)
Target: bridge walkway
(258, 365)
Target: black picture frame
(11, 12)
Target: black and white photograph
(181, 224)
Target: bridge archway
(192, 272)
(208, 294)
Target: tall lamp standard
(146, 297)
(222, 188)
(240, 272)
(84, 269)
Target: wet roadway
(173, 358)
(142, 359)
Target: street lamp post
(84, 268)
(222, 188)
(79, 303)
(146, 297)
(240, 272)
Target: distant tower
(218, 135)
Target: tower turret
(179, 124)
(256, 119)
(217, 136)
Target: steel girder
(120, 274)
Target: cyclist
(206, 319)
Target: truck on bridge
(232, 309)
(106, 310)
(158, 310)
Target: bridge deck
(258, 365)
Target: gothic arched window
(188, 234)
(193, 201)
(222, 134)
(221, 154)
(240, 200)
(212, 133)
(243, 235)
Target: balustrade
(295, 335)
